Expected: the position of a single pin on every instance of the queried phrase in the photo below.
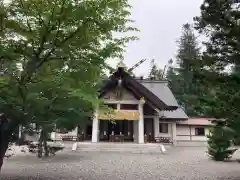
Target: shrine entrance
(116, 131)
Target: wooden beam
(190, 128)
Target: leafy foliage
(61, 47)
(219, 141)
(181, 78)
(219, 21)
(52, 57)
(222, 51)
(155, 72)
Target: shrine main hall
(143, 110)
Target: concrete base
(191, 143)
(121, 147)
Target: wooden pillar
(190, 129)
(174, 133)
(135, 131)
(156, 126)
(141, 122)
(95, 127)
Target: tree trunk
(40, 142)
(7, 128)
(3, 149)
(46, 151)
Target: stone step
(120, 144)
(117, 147)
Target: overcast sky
(160, 23)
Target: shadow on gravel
(229, 178)
(52, 159)
(4, 177)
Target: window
(199, 131)
(163, 127)
(113, 106)
(129, 106)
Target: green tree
(70, 39)
(172, 78)
(52, 101)
(219, 21)
(155, 72)
(183, 84)
(219, 140)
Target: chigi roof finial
(121, 65)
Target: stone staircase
(148, 148)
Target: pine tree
(171, 76)
(219, 141)
(219, 21)
(155, 72)
(186, 90)
(188, 50)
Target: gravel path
(179, 163)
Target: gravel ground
(179, 163)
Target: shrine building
(144, 111)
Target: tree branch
(45, 59)
(29, 26)
(47, 32)
(43, 40)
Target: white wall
(183, 130)
(58, 136)
(112, 95)
(183, 133)
(127, 95)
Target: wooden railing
(120, 138)
(116, 138)
(164, 140)
(69, 138)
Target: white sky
(160, 23)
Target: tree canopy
(222, 52)
(219, 73)
(181, 77)
(155, 72)
(52, 56)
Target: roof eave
(171, 108)
(135, 86)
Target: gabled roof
(138, 89)
(162, 91)
(177, 114)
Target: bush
(219, 143)
(220, 154)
